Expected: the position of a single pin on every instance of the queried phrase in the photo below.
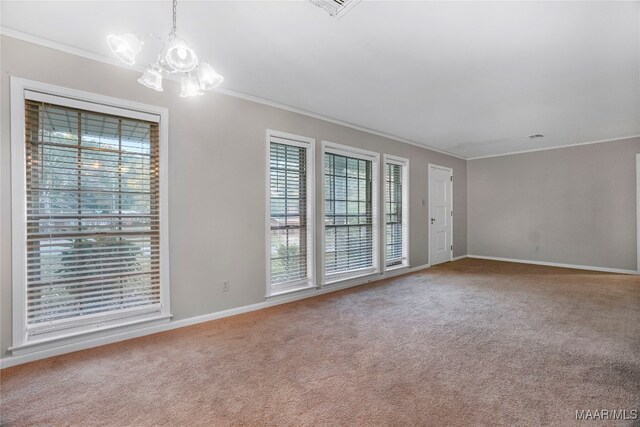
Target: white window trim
(374, 158)
(404, 162)
(310, 145)
(20, 90)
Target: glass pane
(393, 203)
(349, 222)
(92, 214)
(287, 171)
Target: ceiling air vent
(336, 8)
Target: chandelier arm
(161, 40)
(155, 36)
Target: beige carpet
(466, 343)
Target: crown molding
(555, 147)
(9, 32)
(112, 61)
(66, 48)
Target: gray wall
(575, 205)
(216, 232)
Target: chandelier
(174, 58)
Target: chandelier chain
(175, 8)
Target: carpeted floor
(466, 343)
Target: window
(350, 220)
(396, 211)
(290, 203)
(91, 247)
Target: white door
(440, 214)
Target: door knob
(433, 220)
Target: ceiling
(470, 78)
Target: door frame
(450, 170)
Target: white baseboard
(460, 257)
(139, 332)
(556, 264)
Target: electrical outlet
(226, 285)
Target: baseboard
(459, 257)
(121, 336)
(556, 264)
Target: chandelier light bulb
(125, 46)
(207, 77)
(152, 78)
(190, 87)
(180, 57)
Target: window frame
(309, 145)
(404, 163)
(22, 89)
(374, 158)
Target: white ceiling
(473, 79)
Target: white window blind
(291, 230)
(396, 213)
(349, 222)
(92, 216)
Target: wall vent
(336, 8)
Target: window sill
(397, 267)
(87, 336)
(345, 279)
(280, 292)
